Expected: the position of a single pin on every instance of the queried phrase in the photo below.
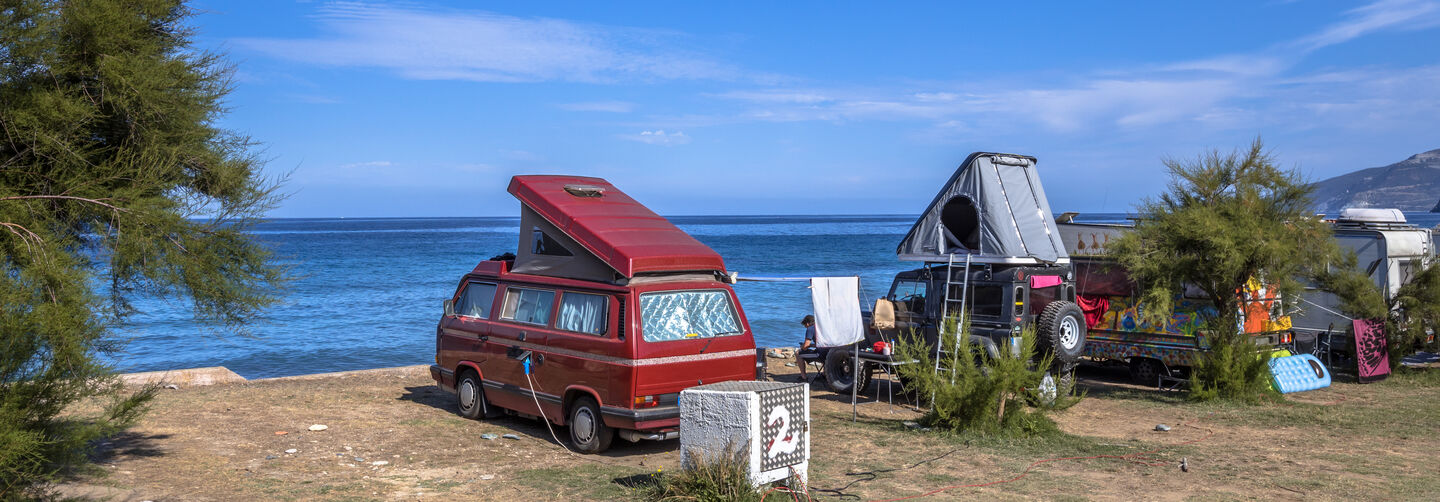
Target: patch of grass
(1399, 418)
(579, 481)
(721, 477)
(1405, 376)
(437, 485)
(436, 422)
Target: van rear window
(680, 315)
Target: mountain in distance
(1412, 184)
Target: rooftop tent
(994, 209)
(585, 228)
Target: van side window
(476, 300)
(530, 306)
(910, 294)
(583, 313)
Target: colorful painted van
(1116, 322)
(604, 315)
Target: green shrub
(1411, 317)
(974, 392)
(1233, 368)
(712, 478)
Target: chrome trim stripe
(621, 361)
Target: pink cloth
(1044, 281)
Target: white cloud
(1236, 91)
(777, 96)
(658, 137)
(434, 44)
(1381, 15)
(371, 164)
(599, 106)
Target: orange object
(281, 433)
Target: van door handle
(521, 337)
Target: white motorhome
(1387, 248)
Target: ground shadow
(434, 397)
(1113, 381)
(638, 481)
(127, 444)
(114, 449)
(429, 395)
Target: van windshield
(681, 315)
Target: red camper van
(604, 315)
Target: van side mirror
(449, 307)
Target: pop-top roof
(617, 230)
(993, 209)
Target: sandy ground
(392, 435)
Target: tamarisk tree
(115, 183)
(1225, 219)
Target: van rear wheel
(1146, 371)
(588, 431)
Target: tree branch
(68, 197)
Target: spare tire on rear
(1061, 330)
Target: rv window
(475, 301)
(987, 301)
(530, 306)
(680, 315)
(583, 313)
(546, 245)
(1408, 268)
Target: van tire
(1146, 371)
(588, 431)
(470, 397)
(839, 376)
(1062, 331)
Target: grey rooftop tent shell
(994, 209)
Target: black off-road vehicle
(992, 251)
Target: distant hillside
(1409, 185)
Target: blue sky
(418, 109)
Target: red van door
(585, 352)
(461, 331)
(521, 329)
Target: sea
(367, 292)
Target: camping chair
(813, 360)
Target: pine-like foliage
(114, 182)
(1225, 218)
(1411, 317)
(978, 394)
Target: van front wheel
(470, 397)
(588, 431)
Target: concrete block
(768, 423)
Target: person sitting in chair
(806, 346)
